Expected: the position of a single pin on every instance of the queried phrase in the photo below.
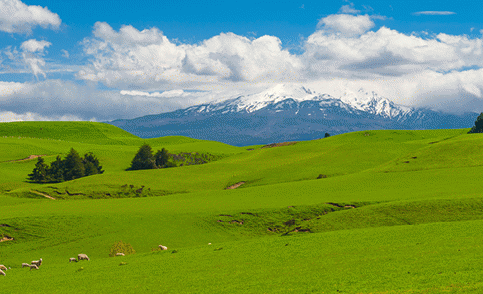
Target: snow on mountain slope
(361, 100)
(372, 103)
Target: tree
(478, 127)
(327, 135)
(73, 166)
(161, 158)
(56, 170)
(143, 159)
(39, 174)
(91, 165)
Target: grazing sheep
(163, 247)
(2, 267)
(25, 264)
(2, 273)
(72, 259)
(33, 266)
(37, 262)
(82, 257)
(119, 254)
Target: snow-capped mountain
(289, 113)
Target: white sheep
(2, 273)
(2, 267)
(119, 254)
(82, 257)
(33, 266)
(37, 262)
(72, 259)
(25, 264)
(163, 247)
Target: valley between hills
(385, 211)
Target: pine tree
(91, 165)
(56, 170)
(39, 174)
(73, 166)
(161, 158)
(143, 159)
(478, 127)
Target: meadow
(365, 212)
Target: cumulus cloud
(346, 24)
(17, 17)
(389, 52)
(32, 55)
(134, 58)
(33, 45)
(434, 13)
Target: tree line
(71, 167)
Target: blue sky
(101, 60)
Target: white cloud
(65, 53)
(57, 99)
(349, 9)
(33, 45)
(434, 13)
(9, 116)
(147, 59)
(32, 55)
(168, 94)
(17, 17)
(388, 52)
(346, 24)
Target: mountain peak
(274, 94)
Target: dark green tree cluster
(144, 159)
(71, 167)
(478, 127)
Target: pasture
(396, 212)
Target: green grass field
(396, 212)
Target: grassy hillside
(397, 212)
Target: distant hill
(85, 132)
(288, 113)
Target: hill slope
(375, 224)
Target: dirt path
(234, 186)
(27, 158)
(42, 194)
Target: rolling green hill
(364, 212)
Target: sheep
(82, 257)
(33, 266)
(119, 254)
(72, 259)
(25, 264)
(163, 247)
(2, 267)
(2, 273)
(37, 262)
